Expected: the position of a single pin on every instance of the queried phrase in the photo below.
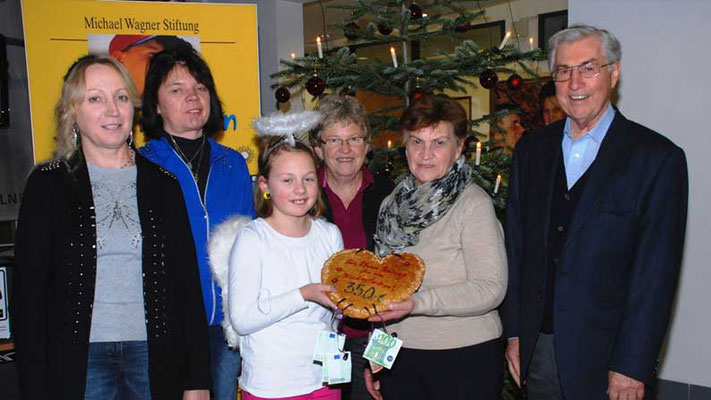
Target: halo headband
(291, 126)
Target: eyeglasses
(335, 143)
(586, 70)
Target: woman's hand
(196, 395)
(372, 385)
(316, 292)
(396, 310)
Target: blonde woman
(106, 294)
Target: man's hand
(372, 385)
(513, 357)
(396, 310)
(196, 395)
(623, 387)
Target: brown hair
(429, 110)
(269, 150)
(73, 91)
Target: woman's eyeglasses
(335, 143)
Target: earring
(75, 132)
(266, 196)
(130, 138)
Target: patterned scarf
(411, 208)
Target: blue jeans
(118, 370)
(225, 366)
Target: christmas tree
(399, 24)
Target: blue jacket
(228, 193)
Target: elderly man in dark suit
(596, 217)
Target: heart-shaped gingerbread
(366, 284)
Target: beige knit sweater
(465, 278)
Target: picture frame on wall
(548, 25)
(466, 103)
(4, 305)
(527, 98)
(485, 35)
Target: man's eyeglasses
(586, 70)
(334, 143)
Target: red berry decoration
(351, 31)
(488, 79)
(415, 11)
(463, 27)
(348, 91)
(282, 95)
(416, 94)
(514, 82)
(315, 86)
(384, 28)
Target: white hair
(610, 45)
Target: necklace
(189, 162)
(131, 161)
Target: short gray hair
(340, 109)
(610, 45)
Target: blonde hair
(73, 91)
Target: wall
(15, 141)
(664, 86)
(280, 33)
(289, 39)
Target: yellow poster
(58, 32)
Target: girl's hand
(316, 292)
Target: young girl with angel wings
(276, 301)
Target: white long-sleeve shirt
(278, 327)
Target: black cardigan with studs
(55, 273)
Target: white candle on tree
(498, 182)
(319, 46)
(394, 56)
(505, 39)
(478, 153)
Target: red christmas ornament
(384, 28)
(282, 95)
(415, 11)
(416, 94)
(464, 27)
(488, 79)
(351, 31)
(514, 82)
(315, 86)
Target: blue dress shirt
(580, 153)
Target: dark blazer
(55, 274)
(618, 269)
(373, 195)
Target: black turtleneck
(190, 147)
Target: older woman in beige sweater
(451, 331)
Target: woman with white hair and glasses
(352, 195)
